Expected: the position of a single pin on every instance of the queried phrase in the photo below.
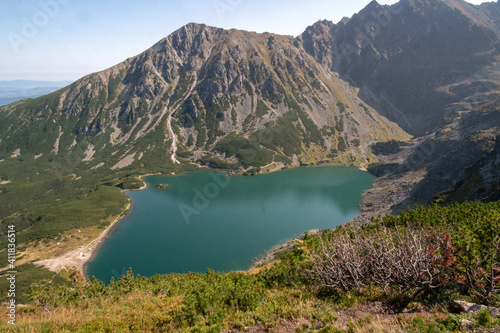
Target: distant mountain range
(12, 91)
(408, 91)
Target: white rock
(475, 308)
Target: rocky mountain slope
(422, 56)
(248, 99)
(432, 67)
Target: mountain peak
(195, 25)
(193, 29)
(373, 4)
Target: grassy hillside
(45, 200)
(454, 252)
(57, 213)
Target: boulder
(475, 308)
(466, 325)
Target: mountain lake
(206, 219)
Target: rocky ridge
(408, 91)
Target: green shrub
(341, 106)
(247, 151)
(283, 135)
(217, 163)
(262, 109)
(484, 318)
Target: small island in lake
(162, 186)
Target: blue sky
(67, 39)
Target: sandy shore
(144, 185)
(77, 258)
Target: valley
(409, 92)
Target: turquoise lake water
(206, 219)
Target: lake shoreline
(102, 237)
(273, 253)
(144, 184)
(79, 258)
(108, 232)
